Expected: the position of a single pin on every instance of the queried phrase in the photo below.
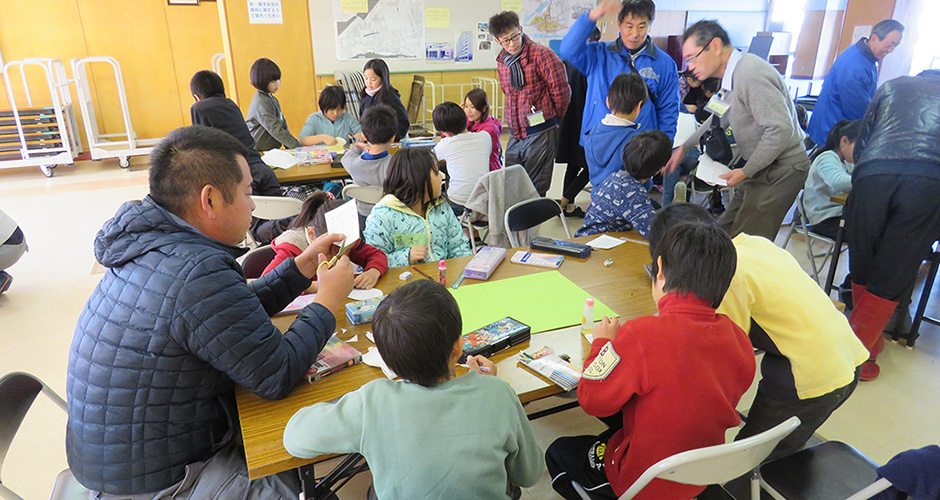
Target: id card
(536, 118)
(717, 105)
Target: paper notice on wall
(513, 5)
(860, 32)
(265, 12)
(437, 17)
(355, 5)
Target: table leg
(834, 260)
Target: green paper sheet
(544, 301)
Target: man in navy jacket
(632, 51)
(173, 328)
(853, 79)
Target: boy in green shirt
(432, 435)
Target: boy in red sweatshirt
(667, 383)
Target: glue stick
(587, 321)
(442, 272)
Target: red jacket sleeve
(369, 257)
(282, 252)
(619, 374)
(558, 86)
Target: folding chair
(256, 260)
(272, 208)
(352, 82)
(828, 470)
(800, 226)
(714, 464)
(18, 390)
(528, 214)
(365, 194)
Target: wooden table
(624, 287)
(318, 171)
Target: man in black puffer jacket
(893, 212)
(173, 327)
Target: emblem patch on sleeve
(603, 364)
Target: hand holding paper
(344, 220)
(711, 171)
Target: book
(549, 365)
(537, 259)
(335, 356)
(298, 304)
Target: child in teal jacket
(413, 223)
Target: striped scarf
(516, 75)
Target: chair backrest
(414, 99)
(18, 390)
(365, 194)
(352, 82)
(256, 260)
(275, 207)
(715, 464)
(530, 213)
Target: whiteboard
(465, 16)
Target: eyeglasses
(693, 58)
(506, 41)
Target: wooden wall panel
(194, 36)
(286, 44)
(861, 13)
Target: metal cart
(39, 136)
(121, 145)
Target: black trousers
(580, 459)
(766, 412)
(576, 177)
(890, 222)
(828, 227)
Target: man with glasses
(534, 82)
(633, 51)
(755, 103)
(853, 79)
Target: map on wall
(390, 29)
(544, 20)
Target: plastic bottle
(442, 272)
(587, 321)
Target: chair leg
(924, 298)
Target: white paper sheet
(708, 170)
(605, 242)
(279, 158)
(344, 220)
(370, 337)
(355, 338)
(357, 294)
(373, 358)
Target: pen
(426, 275)
(458, 282)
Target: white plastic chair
(272, 208)
(365, 194)
(714, 464)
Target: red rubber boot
(857, 292)
(868, 321)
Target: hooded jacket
(402, 126)
(394, 228)
(603, 149)
(603, 61)
(161, 344)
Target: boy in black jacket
(213, 109)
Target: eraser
(608, 262)
(405, 276)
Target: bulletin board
(385, 28)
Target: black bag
(715, 143)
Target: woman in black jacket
(379, 91)
(893, 212)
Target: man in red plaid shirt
(534, 81)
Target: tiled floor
(60, 217)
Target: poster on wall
(265, 12)
(389, 29)
(463, 46)
(545, 20)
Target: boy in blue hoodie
(604, 143)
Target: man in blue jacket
(632, 51)
(853, 79)
(173, 328)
